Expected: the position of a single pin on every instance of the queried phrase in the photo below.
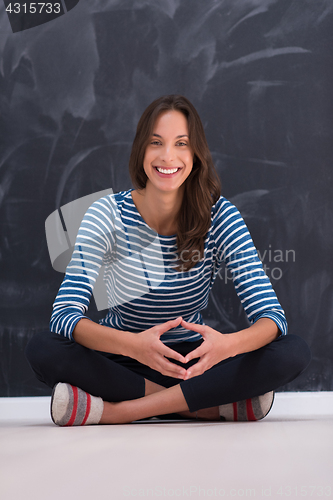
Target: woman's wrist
(256, 336)
(127, 344)
(233, 345)
(103, 338)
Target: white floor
(289, 454)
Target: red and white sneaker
(249, 409)
(73, 406)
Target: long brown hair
(202, 187)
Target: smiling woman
(152, 354)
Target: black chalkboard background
(260, 74)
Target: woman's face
(168, 159)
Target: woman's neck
(159, 209)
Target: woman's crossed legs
(133, 391)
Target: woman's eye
(155, 143)
(181, 143)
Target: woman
(162, 245)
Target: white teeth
(167, 171)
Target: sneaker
(73, 406)
(249, 409)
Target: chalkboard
(72, 90)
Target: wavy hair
(202, 188)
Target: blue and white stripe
(142, 285)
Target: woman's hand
(148, 349)
(215, 348)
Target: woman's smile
(167, 172)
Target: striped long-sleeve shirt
(143, 286)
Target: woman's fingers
(170, 353)
(160, 362)
(157, 359)
(152, 352)
(193, 326)
(164, 327)
(198, 368)
(171, 370)
(165, 350)
(196, 353)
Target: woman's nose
(168, 154)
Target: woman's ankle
(110, 413)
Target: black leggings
(113, 377)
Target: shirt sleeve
(94, 241)
(235, 247)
